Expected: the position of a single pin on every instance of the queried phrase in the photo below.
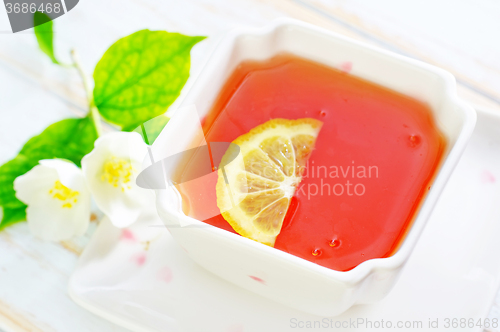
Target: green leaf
(70, 139)
(67, 139)
(12, 216)
(152, 128)
(8, 173)
(140, 75)
(44, 34)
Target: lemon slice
(254, 190)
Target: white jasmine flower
(111, 170)
(58, 200)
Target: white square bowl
(272, 273)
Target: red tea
(373, 161)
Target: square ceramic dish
(270, 272)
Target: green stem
(144, 134)
(93, 112)
(96, 118)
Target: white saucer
(451, 274)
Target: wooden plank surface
(457, 35)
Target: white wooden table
(460, 36)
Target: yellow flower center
(67, 196)
(118, 173)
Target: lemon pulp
(254, 190)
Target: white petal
(122, 144)
(48, 221)
(69, 174)
(122, 207)
(38, 181)
(46, 216)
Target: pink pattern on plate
(262, 281)
(139, 259)
(128, 235)
(165, 274)
(346, 66)
(488, 177)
